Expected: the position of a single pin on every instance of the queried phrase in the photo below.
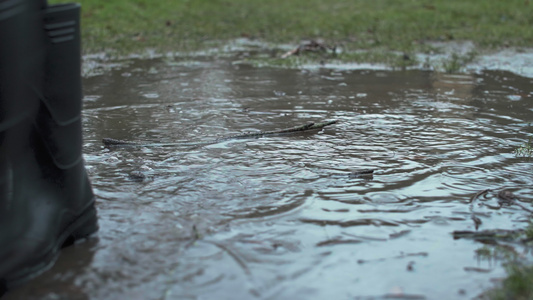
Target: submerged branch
(110, 142)
(477, 221)
(505, 198)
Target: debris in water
(488, 235)
(137, 176)
(311, 46)
(367, 173)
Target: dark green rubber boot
(46, 200)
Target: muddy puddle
(281, 217)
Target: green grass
(517, 286)
(130, 26)
(456, 62)
(525, 150)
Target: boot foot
(80, 228)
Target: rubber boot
(46, 200)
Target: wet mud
(284, 217)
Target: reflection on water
(280, 217)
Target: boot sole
(80, 228)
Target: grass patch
(518, 283)
(495, 253)
(130, 26)
(525, 150)
(457, 62)
(517, 286)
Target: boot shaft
(62, 84)
(40, 98)
(40, 81)
(59, 117)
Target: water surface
(280, 217)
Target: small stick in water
(110, 142)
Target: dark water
(279, 217)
